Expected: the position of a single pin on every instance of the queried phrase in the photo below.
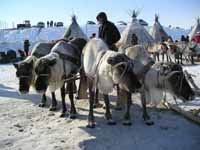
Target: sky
(182, 13)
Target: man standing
(26, 47)
(108, 32)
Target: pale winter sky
(182, 13)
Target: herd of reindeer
(176, 52)
(132, 70)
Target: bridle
(43, 75)
(21, 77)
(180, 80)
(128, 66)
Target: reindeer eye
(17, 74)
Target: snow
(26, 126)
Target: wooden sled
(192, 114)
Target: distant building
(40, 24)
(26, 24)
(59, 24)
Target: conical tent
(195, 29)
(74, 30)
(157, 32)
(134, 27)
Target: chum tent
(195, 29)
(134, 27)
(157, 32)
(74, 30)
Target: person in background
(108, 32)
(93, 35)
(183, 39)
(26, 47)
(134, 39)
(187, 39)
(51, 23)
(47, 24)
(21, 54)
(55, 24)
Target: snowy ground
(25, 126)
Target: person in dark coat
(183, 38)
(134, 39)
(108, 32)
(26, 46)
(93, 35)
(47, 24)
(187, 39)
(21, 54)
(51, 23)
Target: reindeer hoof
(91, 124)
(149, 122)
(77, 97)
(52, 108)
(41, 105)
(62, 115)
(127, 123)
(72, 116)
(111, 122)
(98, 105)
(118, 108)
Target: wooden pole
(82, 90)
(186, 114)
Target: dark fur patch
(43, 72)
(24, 73)
(179, 84)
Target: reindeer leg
(43, 101)
(146, 117)
(192, 59)
(108, 115)
(181, 59)
(127, 118)
(119, 104)
(163, 57)
(91, 122)
(96, 100)
(64, 109)
(53, 102)
(158, 56)
(71, 97)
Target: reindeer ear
(52, 62)
(16, 65)
(30, 63)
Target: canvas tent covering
(195, 29)
(74, 30)
(157, 32)
(134, 27)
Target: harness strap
(74, 60)
(64, 76)
(96, 78)
(76, 48)
(125, 70)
